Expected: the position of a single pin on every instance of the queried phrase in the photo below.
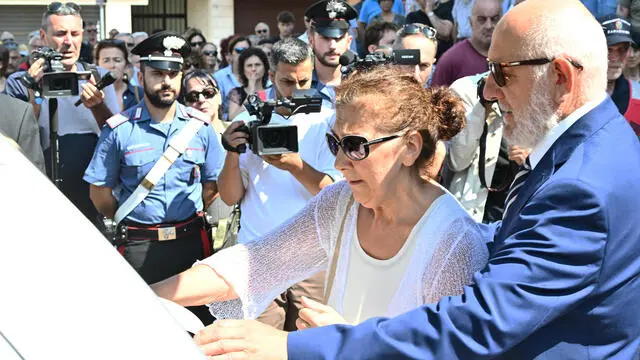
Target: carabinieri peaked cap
(163, 51)
(331, 18)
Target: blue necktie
(516, 185)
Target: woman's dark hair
(192, 32)
(436, 113)
(265, 61)
(4, 60)
(205, 78)
(111, 43)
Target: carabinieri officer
(155, 168)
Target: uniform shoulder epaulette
(117, 120)
(197, 114)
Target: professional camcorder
(56, 82)
(350, 60)
(276, 139)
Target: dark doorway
(160, 14)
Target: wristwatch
(28, 81)
(430, 13)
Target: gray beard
(534, 122)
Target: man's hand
(90, 95)
(518, 154)
(287, 162)
(242, 339)
(233, 137)
(428, 5)
(316, 314)
(36, 71)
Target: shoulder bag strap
(336, 254)
(176, 147)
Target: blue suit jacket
(562, 280)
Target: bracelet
(430, 13)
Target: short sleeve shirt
(125, 154)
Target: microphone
(348, 58)
(108, 79)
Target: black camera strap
(481, 159)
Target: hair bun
(448, 110)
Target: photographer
(78, 126)
(273, 188)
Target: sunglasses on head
(196, 43)
(194, 96)
(413, 29)
(355, 147)
(496, 68)
(210, 53)
(57, 7)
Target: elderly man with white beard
(564, 269)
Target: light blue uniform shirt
(125, 154)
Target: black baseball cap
(163, 51)
(331, 18)
(616, 29)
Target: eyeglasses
(261, 31)
(355, 147)
(210, 53)
(413, 29)
(92, 31)
(498, 74)
(196, 43)
(239, 50)
(194, 96)
(57, 7)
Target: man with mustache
(165, 156)
(624, 93)
(329, 38)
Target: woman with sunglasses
(200, 91)
(254, 75)
(112, 55)
(209, 57)
(390, 238)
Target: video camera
(276, 139)
(56, 82)
(350, 60)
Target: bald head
(551, 29)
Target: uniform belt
(161, 232)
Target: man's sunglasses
(57, 7)
(355, 147)
(413, 29)
(496, 68)
(210, 53)
(194, 96)
(264, 31)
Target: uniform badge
(334, 8)
(172, 43)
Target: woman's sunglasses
(496, 68)
(196, 43)
(210, 53)
(355, 147)
(194, 96)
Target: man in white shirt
(273, 188)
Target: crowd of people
(477, 197)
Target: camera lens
(273, 138)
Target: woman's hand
(254, 82)
(316, 314)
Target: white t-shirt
(272, 195)
(75, 120)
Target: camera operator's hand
(91, 96)
(233, 137)
(518, 154)
(36, 71)
(287, 162)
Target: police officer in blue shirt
(329, 38)
(161, 230)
